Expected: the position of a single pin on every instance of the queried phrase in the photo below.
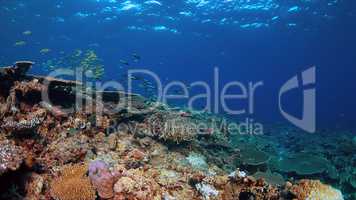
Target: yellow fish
(45, 51)
(20, 43)
(27, 33)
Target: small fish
(135, 78)
(136, 57)
(45, 51)
(20, 43)
(27, 33)
(124, 62)
(78, 53)
(94, 45)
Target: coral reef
(160, 154)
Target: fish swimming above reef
(27, 33)
(45, 51)
(135, 78)
(20, 43)
(136, 57)
(124, 62)
(94, 45)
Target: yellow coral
(73, 184)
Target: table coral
(303, 164)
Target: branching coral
(73, 184)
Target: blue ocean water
(247, 40)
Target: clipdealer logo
(306, 80)
(213, 98)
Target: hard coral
(207, 191)
(27, 122)
(11, 156)
(315, 190)
(134, 185)
(269, 177)
(303, 164)
(65, 150)
(252, 156)
(170, 126)
(73, 184)
(34, 186)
